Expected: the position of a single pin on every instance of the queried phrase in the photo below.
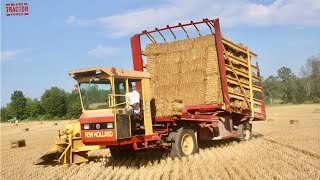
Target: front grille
(96, 126)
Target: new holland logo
(98, 134)
(97, 126)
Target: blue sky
(38, 50)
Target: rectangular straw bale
(184, 72)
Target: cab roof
(108, 71)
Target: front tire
(185, 143)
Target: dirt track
(279, 150)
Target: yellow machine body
(68, 148)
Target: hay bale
(184, 72)
(236, 104)
(292, 121)
(244, 105)
(18, 143)
(26, 129)
(317, 110)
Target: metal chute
(68, 148)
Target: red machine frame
(202, 118)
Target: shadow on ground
(225, 142)
(136, 160)
(152, 157)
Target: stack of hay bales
(184, 72)
(238, 104)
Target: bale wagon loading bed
(208, 73)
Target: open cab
(106, 117)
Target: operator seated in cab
(133, 97)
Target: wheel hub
(187, 144)
(246, 134)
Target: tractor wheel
(121, 153)
(245, 131)
(185, 143)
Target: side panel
(123, 126)
(146, 106)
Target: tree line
(286, 87)
(55, 103)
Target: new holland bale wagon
(105, 122)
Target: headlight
(86, 126)
(110, 125)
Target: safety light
(110, 125)
(86, 126)
(98, 71)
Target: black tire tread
(241, 128)
(176, 150)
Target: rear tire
(185, 143)
(245, 131)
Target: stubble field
(279, 150)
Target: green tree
(314, 63)
(299, 92)
(18, 104)
(310, 73)
(34, 108)
(54, 102)
(6, 113)
(287, 79)
(272, 89)
(73, 106)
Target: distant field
(279, 150)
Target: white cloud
(11, 54)
(72, 20)
(298, 13)
(103, 51)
